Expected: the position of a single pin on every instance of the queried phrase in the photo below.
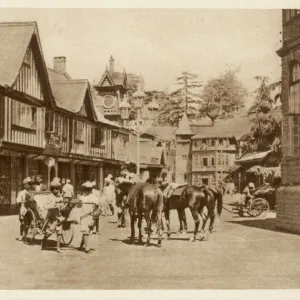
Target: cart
(259, 206)
(35, 217)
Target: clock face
(108, 101)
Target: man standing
(90, 203)
(109, 193)
(68, 190)
(39, 186)
(22, 197)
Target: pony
(196, 198)
(144, 198)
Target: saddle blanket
(178, 191)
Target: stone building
(288, 208)
(204, 151)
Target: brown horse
(143, 199)
(174, 202)
(196, 198)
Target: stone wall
(288, 208)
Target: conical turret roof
(184, 127)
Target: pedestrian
(89, 204)
(109, 193)
(39, 186)
(68, 190)
(97, 193)
(23, 196)
(54, 219)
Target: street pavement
(242, 253)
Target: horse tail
(220, 203)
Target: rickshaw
(259, 206)
(35, 221)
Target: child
(22, 197)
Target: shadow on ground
(266, 224)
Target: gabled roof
(69, 94)
(15, 38)
(115, 78)
(184, 127)
(166, 133)
(234, 127)
(54, 75)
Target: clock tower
(111, 89)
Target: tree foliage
(222, 96)
(265, 132)
(184, 99)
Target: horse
(196, 198)
(122, 190)
(173, 202)
(144, 198)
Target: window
(290, 135)
(226, 160)
(99, 137)
(294, 95)
(205, 162)
(65, 126)
(213, 142)
(220, 141)
(205, 181)
(196, 161)
(24, 115)
(219, 159)
(79, 130)
(213, 161)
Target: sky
(159, 43)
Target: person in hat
(90, 203)
(38, 184)
(23, 196)
(97, 193)
(109, 193)
(68, 190)
(248, 194)
(53, 220)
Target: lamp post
(138, 126)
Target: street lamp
(138, 126)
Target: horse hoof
(159, 245)
(192, 239)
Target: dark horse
(122, 191)
(143, 199)
(173, 202)
(196, 198)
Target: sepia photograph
(149, 148)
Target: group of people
(85, 212)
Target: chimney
(59, 63)
(111, 64)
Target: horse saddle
(177, 191)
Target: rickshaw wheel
(259, 207)
(32, 225)
(67, 233)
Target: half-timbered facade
(82, 136)
(24, 93)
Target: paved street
(241, 254)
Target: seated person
(248, 194)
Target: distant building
(204, 151)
